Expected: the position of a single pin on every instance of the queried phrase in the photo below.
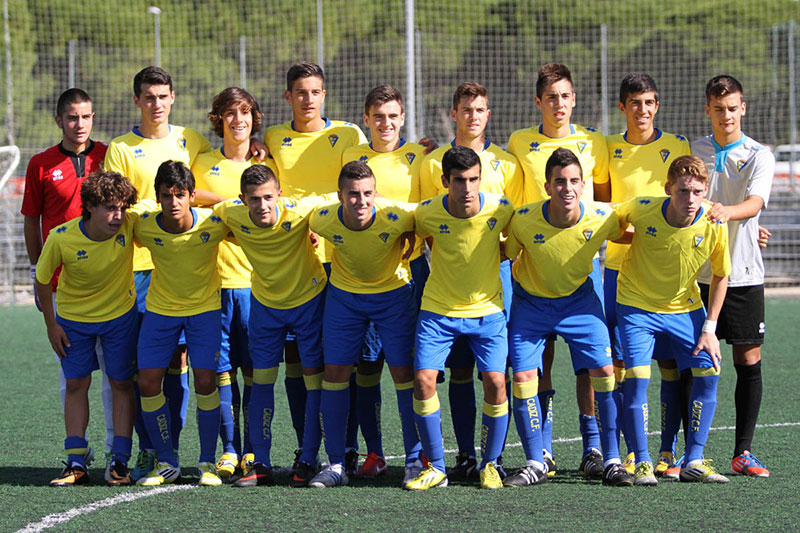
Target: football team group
(315, 248)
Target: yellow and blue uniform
(657, 293)
(309, 162)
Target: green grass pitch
(32, 433)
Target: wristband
(709, 326)
(33, 272)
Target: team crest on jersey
(444, 228)
(338, 239)
(538, 239)
(363, 159)
(495, 164)
(245, 229)
(82, 255)
(534, 147)
(618, 153)
(587, 234)
(138, 153)
(664, 155)
(492, 222)
(740, 164)
(333, 139)
(215, 170)
(121, 240)
(410, 157)
(651, 231)
(205, 236)
(286, 226)
(62, 229)
(158, 241)
(581, 147)
(287, 141)
(58, 175)
(392, 216)
(698, 239)
(182, 143)
(384, 236)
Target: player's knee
(746, 354)
(78, 385)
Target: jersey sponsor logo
(338, 239)
(82, 254)
(384, 236)
(287, 141)
(410, 157)
(214, 170)
(581, 146)
(492, 222)
(523, 210)
(740, 164)
(538, 239)
(158, 241)
(333, 139)
(534, 147)
(664, 155)
(651, 231)
(182, 143)
(363, 159)
(444, 228)
(138, 153)
(245, 229)
(698, 239)
(205, 236)
(644, 201)
(58, 175)
(618, 153)
(62, 229)
(392, 216)
(286, 226)
(495, 163)
(587, 234)
(121, 240)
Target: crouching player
(553, 295)
(370, 282)
(96, 300)
(184, 295)
(463, 296)
(657, 293)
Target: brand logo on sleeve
(338, 239)
(426, 202)
(651, 231)
(444, 228)
(58, 175)
(215, 170)
(538, 239)
(644, 201)
(523, 210)
(287, 141)
(138, 153)
(392, 216)
(158, 241)
(82, 255)
(534, 147)
(215, 218)
(62, 229)
(363, 159)
(618, 153)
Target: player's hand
(258, 150)
(719, 213)
(763, 236)
(411, 238)
(709, 343)
(314, 238)
(35, 292)
(429, 144)
(58, 340)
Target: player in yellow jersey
(307, 150)
(463, 296)
(557, 239)
(96, 300)
(500, 174)
(395, 164)
(183, 298)
(287, 294)
(555, 98)
(370, 284)
(638, 160)
(234, 116)
(657, 294)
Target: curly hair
(106, 187)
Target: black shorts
(741, 320)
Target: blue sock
(176, 391)
(702, 404)
(334, 406)
(546, 404)
(156, 415)
(528, 418)
(351, 437)
(463, 413)
(208, 420)
(405, 405)
(589, 433)
(121, 449)
(138, 422)
(246, 395)
(76, 450)
(494, 424)
(670, 408)
(225, 413)
(637, 413)
(296, 394)
(260, 413)
(428, 417)
(369, 411)
(312, 434)
(605, 415)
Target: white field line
(56, 519)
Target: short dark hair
(459, 158)
(549, 74)
(228, 98)
(303, 69)
(636, 83)
(354, 170)
(471, 89)
(382, 94)
(257, 175)
(721, 86)
(105, 187)
(69, 97)
(152, 76)
(174, 174)
(561, 157)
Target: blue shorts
(638, 330)
(577, 318)
(486, 336)
(117, 337)
(662, 350)
(160, 335)
(347, 316)
(234, 351)
(268, 327)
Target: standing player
(96, 302)
(555, 98)
(307, 151)
(370, 283)
(463, 296)
(553, 294)
(234, 116)
(138, 155)
(740, 176)
(657, 295)
(638, 160)
(52, 196)
(500, 174)
(395, 164)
